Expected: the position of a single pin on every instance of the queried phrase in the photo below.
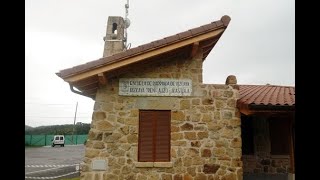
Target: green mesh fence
(27, 139)
(75, 139)
(48, 139)
(45, 140)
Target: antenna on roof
(126, 25)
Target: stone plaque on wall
(155, 87)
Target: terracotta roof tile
(217, 23)
(197, 30)
(222, 23)
(117, 56)
(206, 27)
(159, 42)
(269, 95)
(214, 25)
(184, 34)
(135, 50)
(97, 62)
(110, 59)
(145, 47)
(171, 39)
(225, 19)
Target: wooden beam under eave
(210, 43)
(244, 109)
(245, 112)
(91, 86)
(90, 92)
(195, 47)
(140, 57)
(85, 82)
(102, 79)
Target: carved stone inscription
(155, 87)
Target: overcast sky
(258, 45)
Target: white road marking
(43, 170)
(52, 177)
(56, 165)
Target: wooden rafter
(85, 82)
(210, 43)
(85, 88)
(195, 47)
(92, 91)
(102, 79)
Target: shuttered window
(154, 136)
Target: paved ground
(266, 177)
(53, 162)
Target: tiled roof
(222, 23)
(266, 96)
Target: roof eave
(249, 109)
(139, 57)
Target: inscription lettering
(155, 87)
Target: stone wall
(205, 128)
(262, 161)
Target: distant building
(155, 119)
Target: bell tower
(114, 41)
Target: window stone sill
(143, 164)
(153, 164)
(163, 164)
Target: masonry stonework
(262, 161)
(205, 128)
(114, 36)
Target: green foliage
(65, 129)
(26, 127)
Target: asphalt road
(53, 162)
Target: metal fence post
(30, 139)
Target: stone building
(155, 119)
(267, 124)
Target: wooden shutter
(154, 136)
(162, 141)
(146, 142)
